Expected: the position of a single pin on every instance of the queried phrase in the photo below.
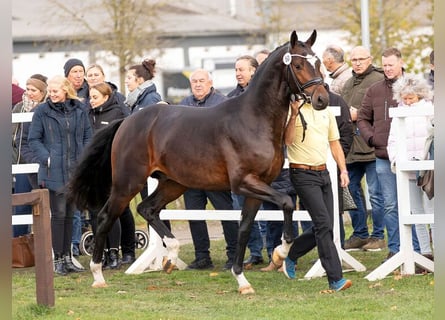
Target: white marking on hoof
(244, 286)
(96, 270)
(172, 245)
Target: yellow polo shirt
(321, 129)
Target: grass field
(213, 294)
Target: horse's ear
(293, 38)
(312, 38)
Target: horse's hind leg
(248, 213)
(150, 207)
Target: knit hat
(39, 84)
(70, 64)
(17, 94)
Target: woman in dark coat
(59, 131)
(107, 106)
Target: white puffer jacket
(418, 129)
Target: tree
(393, 23)
(124, 28)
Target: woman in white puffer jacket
(414, 91)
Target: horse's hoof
(99, 285)
(246, 290)
(277, 258)
(167, 265)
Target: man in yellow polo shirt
(308, 137)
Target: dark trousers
(127, 233)
(61, 222)
(315, 192)
(221, 200)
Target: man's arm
(289, 132)
(339, 157)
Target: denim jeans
(388, 183)
(77, 228)
(22, 185)
(255, 243)
(420, 204)
(359, 217)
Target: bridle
(287, 60)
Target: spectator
(261, 56)
(35, 93)
(57, 149)
(204, 96)
(75, 73)
(17, 93)
(311, 180)
(339, 70)
(245, 67)
(360, 160)
(142, 90)
(95, 74)
(414, 91)
(374, 123)
(106, 106)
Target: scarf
(133, 95)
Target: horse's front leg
(249, 211)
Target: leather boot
(59, 265)
(113, 259)
(70, 266)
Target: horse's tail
(90, 184)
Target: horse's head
(303, 71)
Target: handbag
(23, 251)
(348, 201)
(426, 183)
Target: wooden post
(39, 199)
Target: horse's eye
(298, 66)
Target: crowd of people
(70, 108)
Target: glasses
(361, 60)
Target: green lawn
(213, 294)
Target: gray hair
(412, 84)
(336, 52)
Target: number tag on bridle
(287, 58)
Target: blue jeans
(359, 217)
(22, 185)
(77, 228)
(255, 243)
(388, 183)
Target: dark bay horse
(236, 145)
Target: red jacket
(373, 118)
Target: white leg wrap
(96, 270)
(172, 249)
(242, 281)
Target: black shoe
(113, 259)
(127, 259)
(59, 265)
(202, 264)
(253, 260)
(228, 265)
(70, 266)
